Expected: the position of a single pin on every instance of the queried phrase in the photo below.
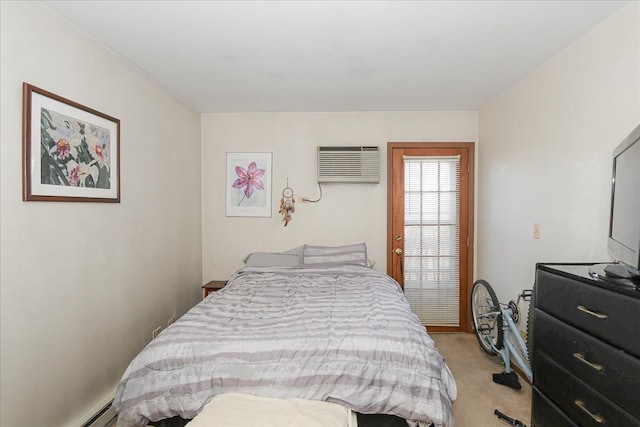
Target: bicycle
(495, 325)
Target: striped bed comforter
(342, 334)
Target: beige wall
(347, 213)
(545, 155)
(84, 284)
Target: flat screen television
(624, 222)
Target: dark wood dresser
(586, 349)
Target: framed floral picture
(70, 153)
(248, 184)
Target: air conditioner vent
(349, 164)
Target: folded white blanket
(243, 410)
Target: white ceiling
(255, 56)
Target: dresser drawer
(545, 414)
(584, 405)
(610, 371)
(607, 315)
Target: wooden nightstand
(212, 286)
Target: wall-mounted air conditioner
(349, 164)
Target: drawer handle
(593, 313)
(597, 418)
(581, 358)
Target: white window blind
(431, 238)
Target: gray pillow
(271, 259)
(298, 250)
(347, 254)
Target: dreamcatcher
(286, 204)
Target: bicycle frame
(509, 327)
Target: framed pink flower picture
(70, 152)
(248, 184)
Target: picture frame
(248, 184)
(70, 152)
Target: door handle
(399, 252)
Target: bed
(314, 323)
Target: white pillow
(347, 254)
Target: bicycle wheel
(488, 326)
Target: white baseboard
(93, 410)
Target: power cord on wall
(305, 200)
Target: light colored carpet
(478, 395)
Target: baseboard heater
(105, 417)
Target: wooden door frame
(467, 280)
